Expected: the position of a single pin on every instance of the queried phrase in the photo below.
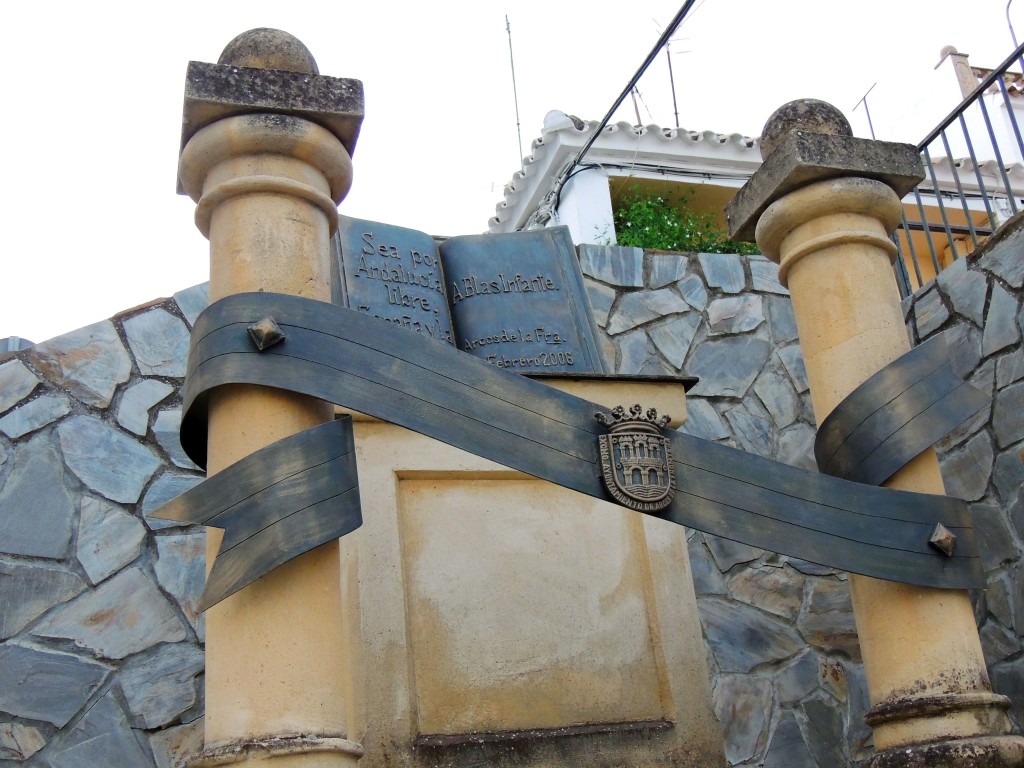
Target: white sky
(91, 223)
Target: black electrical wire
(665, 37)
(661, 170)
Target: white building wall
(586, 208)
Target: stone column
(824, 204)
(266, 156)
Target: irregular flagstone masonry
(781, 645)
(978, 302)
(31, 416)
(28, 590)
(88, 363)
(100, 640)
(37, 509)
(16, 383)
(159, 341)
(786, 674)
(101, 655)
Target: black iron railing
(974, 179)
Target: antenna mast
(672, 80)
(515, 93)
(864, 101)
(636, 107)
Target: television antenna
(671, 74)
(864, 101)
(515, 92)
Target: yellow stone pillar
(827, 228)
(266, 175)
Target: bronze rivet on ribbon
(943, 540)
(266, 333)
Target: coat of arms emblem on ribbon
(636, 459)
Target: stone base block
(504, 620)
(981, 752)
(298, 751)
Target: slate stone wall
(787, 677)
(100, 643)
(978, 302)
(101, 646)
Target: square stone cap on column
(804, 157)
(216, 91)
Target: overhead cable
(670, 30)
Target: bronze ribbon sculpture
(894, 415)
(351, 359)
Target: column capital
(267, 71)
(808, 141)
(860, 211)
(321, 173)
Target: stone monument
(479, 616)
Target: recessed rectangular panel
(528, 608)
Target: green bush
(647, 221)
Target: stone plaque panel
(518, 301)
(394, 274)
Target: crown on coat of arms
(636, 421)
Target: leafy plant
(654, 221)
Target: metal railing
(974, 179)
